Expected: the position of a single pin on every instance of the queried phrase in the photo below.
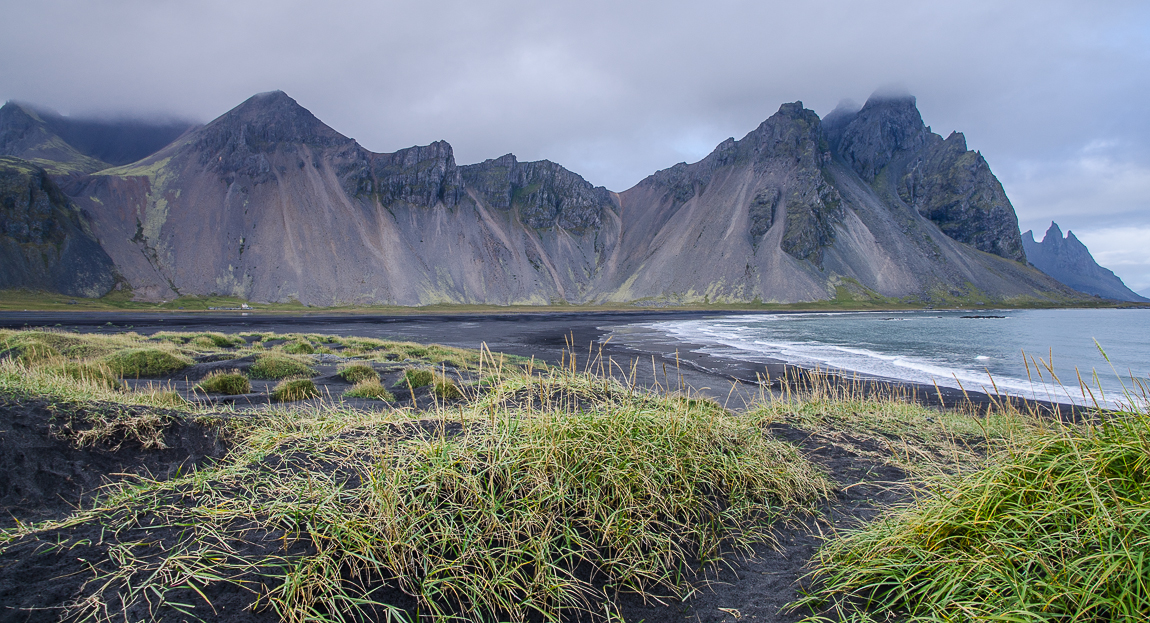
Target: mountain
(65, 145)
(25, 135)
(45, 241)
(799, 210)
(268, 203)
(1069, 261)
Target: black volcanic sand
(44, 475)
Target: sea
(1081, 356)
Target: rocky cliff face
(954, 188)
(1069, 261)
(269, 204)
(889, 146)
(45, 242)
(543, 194)
(801, 210)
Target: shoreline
(546, 336)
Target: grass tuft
(416, 377)
(86, 372)
(142, 362)
(446, 388)
(299, 348)
(274, 366)
(231, 383)
(357, 372)
(291, 390)
(370, 388)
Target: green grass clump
(139, 362)
(219, 340)
(356, 372)
(201, 341)
(31, 352)
(299, 348)
(291, 390)
(370, 388)
(446, 388)
(416, 377)
(274, 366)
(231, 383)
(86, 372)
(1055, 528)
(39, 346)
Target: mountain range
(268, 203)
(1069, 261)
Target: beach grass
(143, 362)
(528, 492)
(227, 382)
(357, 372)
(370, 388)
(416, 378)
(276, 366)
(293, 389)
(543, 495)
(1045, 520)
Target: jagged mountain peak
(265, 120)
(1069, 261)
(239, 140)
(891, 98)
(956, 140)
(269, 102)
(544, 193)
(267, 202)
(883, 128)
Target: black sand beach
(752, 589)
(545, 336)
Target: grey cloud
(617, 90)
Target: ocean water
(1039, 354)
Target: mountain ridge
(1070, 262)
(269, 204)
(64, 145)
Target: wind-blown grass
(229, 382)
(291, 390)
(137, 362)
(370, 388)
(446, 388)
(301, 347)
(416, 378)
(1055, 528)
(274, 366)
(358, 372)
(544, 495)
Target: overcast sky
(1054, 94)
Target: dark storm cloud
(1052, 93)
